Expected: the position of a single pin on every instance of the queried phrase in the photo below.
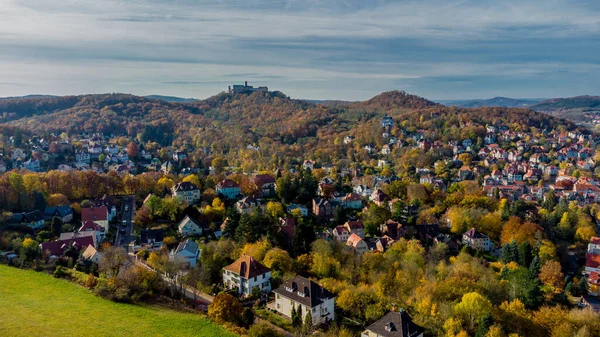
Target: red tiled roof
(592, 260)
(595, 240)
(228, 183)
(94, 214)
(353, 240)
(340, 229)
(58, 247)
(90, 226)
(247, 267)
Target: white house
(91, 254)
(187, 192)
(187, 253)
(362, 190)
(188, 227)
(245, 274)
(359, 245)
(341, 234)
(302, 294)
(477, 240)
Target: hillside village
(327, 246)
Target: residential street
(127, 212)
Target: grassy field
(36, 304)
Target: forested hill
(394, 100)
(568, 103)
(278, 126)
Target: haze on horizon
(317, 49)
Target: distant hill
(283, 128)
(583, 110)
(172, 99)
(496, 101)
(577, 102)
(28, 97)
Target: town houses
(288, 237)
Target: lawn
(36, 304)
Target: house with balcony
(245, 274)
(187, 192)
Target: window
(255, 278)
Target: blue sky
(318, 49)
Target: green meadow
(36, 304)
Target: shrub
(59, 272)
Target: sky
(314, 49)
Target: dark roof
(156, 235)
(33, 216)
(58, 211)
(396, 324)
(321, 202)
(185, 186)
(189, 245)
(355, 224)
(295, 287)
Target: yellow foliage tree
(495, 331)
(584, 234)
(278, 259)
(257, 250)
(472, 307)
(192, 178)
(275, 209)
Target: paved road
(126, 219)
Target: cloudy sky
(318, 49)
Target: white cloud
(84, 45)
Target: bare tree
(113, 260)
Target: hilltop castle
(245, 89)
